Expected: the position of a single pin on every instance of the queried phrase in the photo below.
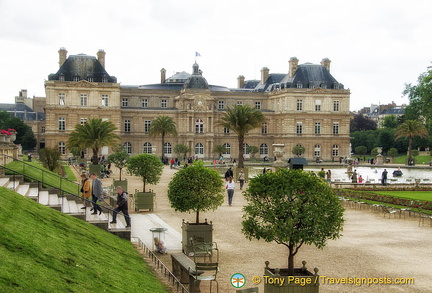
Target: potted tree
(292, 208)
(198, 189)
(119, 159)
(149, 168)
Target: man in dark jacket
(121, 206)
(229, 173)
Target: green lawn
(42, 250)
(418, 159)
(416, 195)
(34, 170)
(69, 174)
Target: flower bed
(368, 195)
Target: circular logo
(238, 280)
(256, 280)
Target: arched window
(199, 149)
(199, 126)
(128, 146)
(263, 149)
(335, 150)
(147, 148)
(228, 149)
(245, 150)
(317, 151)
(167, 148)
(62, 148)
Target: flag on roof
(197, 54)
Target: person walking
(85, 189)
(229, 173)
(241, 179)
(229, 186)
(96, 193)
(384, 177)
(121, 206)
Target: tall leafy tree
(146, 166)
(390, 121)
(360, 122)
(181, 149)
(410, 129)
(241, 119)
(119, 158)
(50, 158)
(420, 96)
(163, 125)
(94, 134)
(24, 136)
(298, 150)
(219, 149)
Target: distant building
(305, 106)
(379, 112)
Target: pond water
(369, 173)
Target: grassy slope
(42, 250)
(33, 170)
(419, 195)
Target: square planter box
(144, 201)
(94, 169)
(122, 183)
(304, 281)
(191, 230)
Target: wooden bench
(182, 265)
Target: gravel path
(371, 246)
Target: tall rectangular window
(43, 129)
(264, 128)
(83, 121)
(240, 103)
(258, 105)
(221, 105)
(62, 124)
(147, 125)
(299, 105)
(299, 128)
(336, 128)
(144, 103)
(83, 99)
(336, 106)
(105, 101)
(125, 102)
(317, 127)
(318, 105)
(226, 130)
(62, 99)
(163, 103)
(127, 126)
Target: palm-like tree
(163, 125)
(241, 119)
(410, 129)
(219, 149)
(93, 134)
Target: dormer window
(323, 85)
(336, 86)
(61, 77)
(90, 79)
(76, 78)
(104, 79)
(299, 85)
(311, 86)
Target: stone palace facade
(306, 106)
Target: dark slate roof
(312, 75)
(173, 87)
(178, 77)
(196, 80)
(15, 107)
(20, 110)
(297, 161)
(396, 111)
(84, 67)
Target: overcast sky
(375, 46)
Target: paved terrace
(371, 245)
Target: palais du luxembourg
(304, 106)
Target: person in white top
(229, 186)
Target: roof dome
(196, 80)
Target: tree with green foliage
(410, 129)
(364, 138)
(374, 152)
(181, 150)
(196, 188)
(241, 119)
(298, 150)
(361, 123)
(163, 125)
(146, 166)
(392, 153)
(360, 150)
(119, 158)
(292, 208)
(24, 133)
(94, 134)
(386, 138)
(252, 150)
(390, 121)
(50, 158)
(219, 149)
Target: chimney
(293, 66)
(62, 56)
(264, 74)
(163, 75)
(326, 63)
(23, 93)
(101, 57)
(240, 81)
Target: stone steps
(4, 181)
(23, 189)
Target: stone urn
(278, 152)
